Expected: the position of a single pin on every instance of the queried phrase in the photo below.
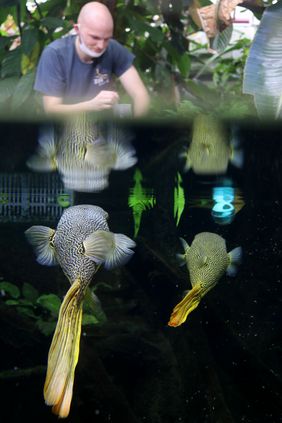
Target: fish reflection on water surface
(84, 153)
(210, 151)
(80, 244)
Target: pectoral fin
(235, 257)
(182, 257)
(97, 245)
(40, 163)
(45, 158)
(237, 158)
(185, 155)
(108, 248)
(120, 147)
(93, 304)
(188, 163)
(124, 155)
(185, 245)
(41, 239)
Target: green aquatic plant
(179, 198)
(140, 199)
(42, 309)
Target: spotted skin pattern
(207, 260)
(74, 226)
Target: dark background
(224, 363)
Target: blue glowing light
(223, 210)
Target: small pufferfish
(80, 244)
(207, 260)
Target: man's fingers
(112, 99)
(106, 106)
(110, 95)
(105, 100)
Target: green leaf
(208, 97)
(27, 311)
(29, 39)
(184, 64)
(29, 292)
(12, 302)
(11, 64)
(92, 306)
(171, 51)
(46, 327)
(23, 90)
(222, 39)
(7, 88)
(4, 41)
(24, 302)
(188, 108)
(8, 3)
(156, 34)
(53, 7)
(51, 302)
(205, 3)
(140, 27)
(10, 289)
(53, 23)
(89, 319)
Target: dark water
(224, 364)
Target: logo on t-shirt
(101, 78)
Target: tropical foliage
(160, 33)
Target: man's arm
(134, 86)
(103, 101)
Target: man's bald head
(95, 14)
(94, 29)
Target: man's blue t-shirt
(61, 73)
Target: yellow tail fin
(188, 304)
(63, 353)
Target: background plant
(42, 309)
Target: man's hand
(104, 100)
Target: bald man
(75, 73)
